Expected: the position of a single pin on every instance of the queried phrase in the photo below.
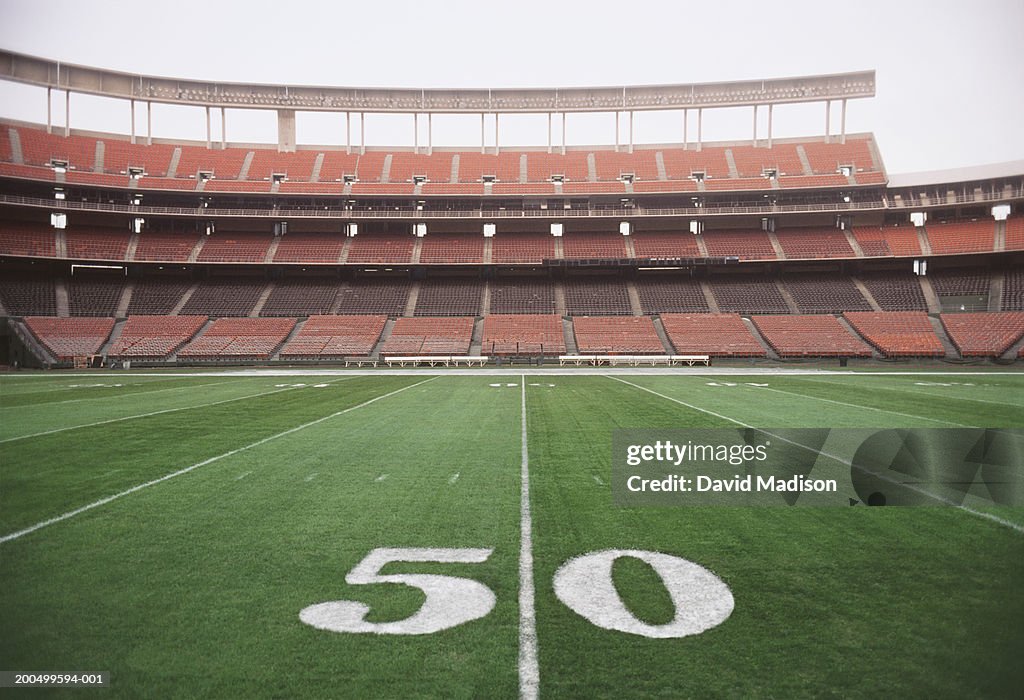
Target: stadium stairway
(318, 165)
(262, 301)
(1000, 240)
(243, 174)
(922, 240)
(173, 357)
(709, 297)
(410, 303)
(804, 161)
(1014, 351)
(788, 298)
(61, 292)
(32, 346)
(570, 337)
(997, 280)
(276, 355)
(476, 341)
(175, 159)
(951, 352)
(184, 300)
(126, 299)
(634, 299)
(115, 334)
(754, 331)
(133, 245)
(16, 152)
(875, 353)
(930, 297)
(272, 250)
(866, 293)
(384, 335)
(659, 328)
(559, 291)
(776, 246)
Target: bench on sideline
(633, 360)
(437, 360)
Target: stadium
(346, 419)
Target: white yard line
(980, 514)
(152, 413)
(197, 465)
(116, 397)
(529, 667)
(866, 408)
(903, 390)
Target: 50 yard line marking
(529, 669)
(977, 513)
(197, 465)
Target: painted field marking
(117, 397)
(453, 478)
(311, 476)
(529, 667)
(598, 480)
(923, 393)
(870, 408)
(242, 476)
(197, 465)
(152, 413)
(968, 509)
(381, 478)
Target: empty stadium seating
(810, 336)
(28, 295)
(157, 296)
(309, 248)
(154, 337)
(456, 248)
(243, 339)
(825, 294)
(68, 338)
(748, 295)
(828, 157)
(747, 244)
(165, 247)
(94, 297)
(717, 335)
(522, 296)
(593, 245)
(671, 295)
(814, 243)
(449, 298)
(235, 247)
(1013, 291)
(596, 297)
(984, 334)
(385, 296)
(89, 244)
(895, 291)
(373, 248)
(1015, 233)
(334, 337)
(430, 336)
(227, 297)
(665, 245)
(633, 335)
(300, 297)
(522, 247)
(27, 240)
(897, 333)
(523, 334)
(877, 241)
(961, 237)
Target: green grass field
(192, 585)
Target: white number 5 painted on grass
(450, 601)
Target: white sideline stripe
(529, 668)
(866, 408)
(902, 390)
(242, 476)
(117, 396)
(153, 413)
(186, 470)
(978, 513)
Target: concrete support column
(483, 143)
(207, 127)
(415, 132)
(617, 131)
(285, 131)
(49, 111)
(686, 129)
(631, 131)
(348, 133)
(700, 128)
(430, 133)
(67, 113)
(131, 103)
(842, 122)
(770, 125)
(149, 123)
(362, 133)
(828, 117)
(223, 128)
(497, 143)
(563, 133)
(549, 132)
(755, 126)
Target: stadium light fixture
(137, 224)
(419, 229)
(58, 165)
(696, 227)
(921, 268)
(557, 230)
(351, 229)
(58, 193)
(625, 227)
(490, 230)
(59, 220)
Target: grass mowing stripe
(154, 413)
(867, 408)
(197, 465)
(117, 397)
(903, 390)
(529, 667)
(981, 514)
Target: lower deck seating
(825, 294)
(523, 334)
(28, 295)
(68, 338)
(239, 339)
(300, 298)
(895, 291)
(380, 296)
(748, 295)
(718, 335)
(430, 336)
(224, 298)
(94, 297)
(897, 333)
(513, 296)
(671, 296)
(155, 337)
(596, 297)
(810, 336)
(325, 337)
(984, 334)
(449, 298)
(616, 334)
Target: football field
(416, 534)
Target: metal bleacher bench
(437, 360)
(633, 360)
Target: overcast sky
(950, 74)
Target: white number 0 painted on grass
(450, 600)
(701, 599)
